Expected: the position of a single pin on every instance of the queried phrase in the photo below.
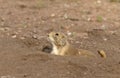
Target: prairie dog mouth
(50, 38)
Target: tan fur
(61, 46)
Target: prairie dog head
(57, 39)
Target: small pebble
(22, 38)
(69, 33)
(53, 15)
(99, 1)
(34, 36)
(102, 53)
(105, 39)
(65, 16)
(14, 36)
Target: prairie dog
(61, 46)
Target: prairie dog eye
(56, 34)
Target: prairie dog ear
(64, 36)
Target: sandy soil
(92, 25)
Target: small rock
(2, 19)
(89, 19)
(105, 39)
(102, 53)
(65, 16)
(22, 38)
(14, 36)
(69, 33)
(52, 15)
(99, 1)
(34, 36)
(103, 27)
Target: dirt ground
(89, 24)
